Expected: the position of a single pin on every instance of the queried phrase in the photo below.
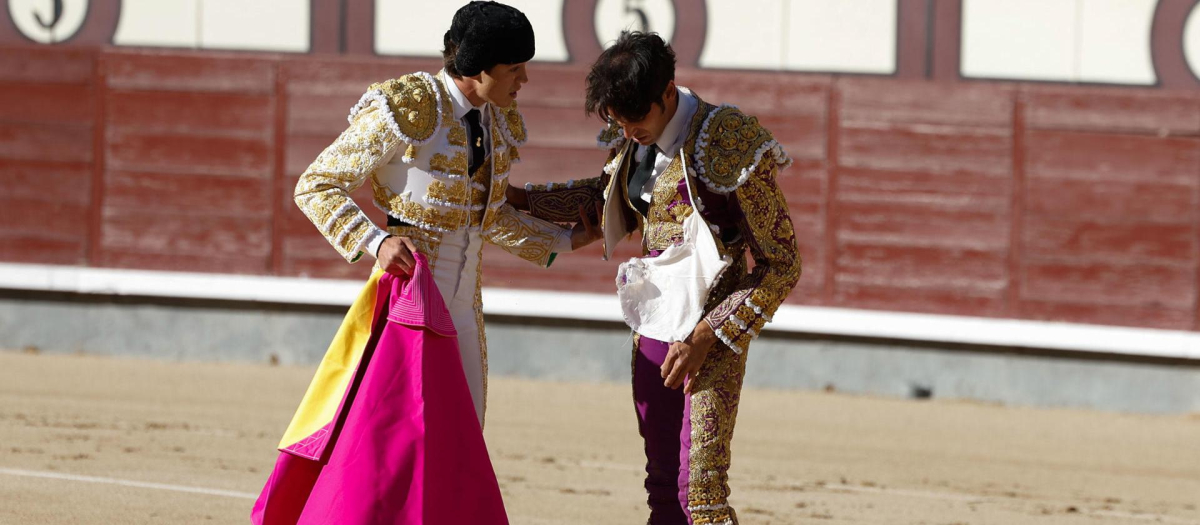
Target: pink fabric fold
(406, 446)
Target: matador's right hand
(396, 255)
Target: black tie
(475, 140)
(645, 168)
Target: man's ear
(667, 95)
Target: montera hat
(489, 33)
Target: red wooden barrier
(996, 199)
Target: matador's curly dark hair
(630, 77)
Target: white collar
(458, 99)
(676, 131)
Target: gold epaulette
(512, 125)
(611, 137)
(730, 147)
(415, 103)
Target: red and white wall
(1034, 160)
(1123, 42)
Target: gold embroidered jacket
(404, 138)
(737, 161)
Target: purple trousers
(665, 426)
(687, 438)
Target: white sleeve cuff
(377, 238)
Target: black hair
(450, 49)
(484, 34)
(630, 76)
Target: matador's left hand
(684, 358)
(518, 197)
(586, 230)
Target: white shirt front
(461, 106)
(672, 138)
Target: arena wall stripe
(568, 306)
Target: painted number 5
(54, 19)
(49, 21)
(634, 7)
(614, 16)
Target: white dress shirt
(672, 138)
(462, 106)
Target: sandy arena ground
(107, 440)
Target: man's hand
(517, 197)
(685, 358)
(396, 255)
(586, 230)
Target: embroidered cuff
(373, 237)
(740, 325)
(559, 202)
(562, 244)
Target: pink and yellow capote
(387, 431)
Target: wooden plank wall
(1032, 201)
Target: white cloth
(663, 297)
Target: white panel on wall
(740, 38)
(1115, 41)
(850, 36)
(38, 20)
(1020, 39)
(259, 25)
(1191, 40)
(416, 27)
(412, 27)
(158, 23)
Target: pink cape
(405, 445)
